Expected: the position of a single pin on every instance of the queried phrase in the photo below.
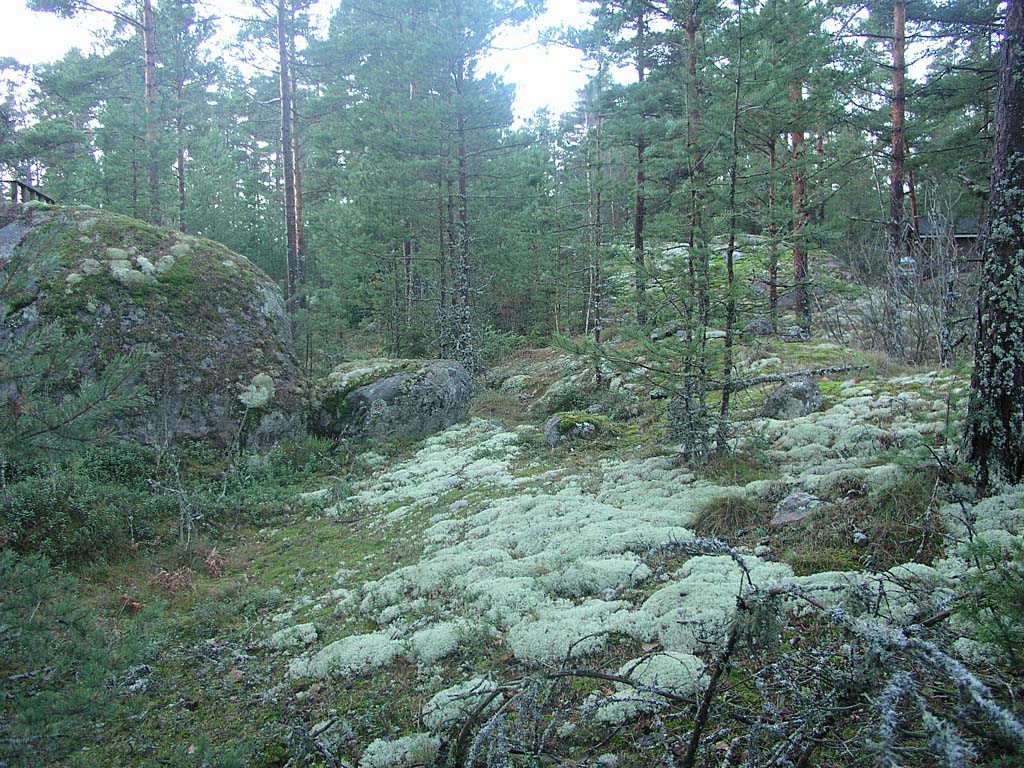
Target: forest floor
(480, 556)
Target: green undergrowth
(264, 558)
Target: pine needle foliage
(46, 404)
(59, 668)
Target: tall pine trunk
(996, 418)
(300, 230)
(730, 251)
(773, 235)
(799, 184)
(149, 77)
(640, 202)
(285, 82)
(895, 240)
(465, 347)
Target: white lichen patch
(439, 640)
(292, 637)
(453, 706)
(412, 750)
(259, 392)
(693, 612)
(180, 250)
(679, 674)
(563, 631)
(353, 655)
(475, 453)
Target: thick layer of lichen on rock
(213, 321)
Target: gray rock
(794, 508)
(658, 394)
(213, 329)
(762, 326)
(671, 328)
(792, 400)
(393, 399)
(795, 333)
(555, 436)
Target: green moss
(567, 421)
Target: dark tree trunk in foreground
(896, 242)
(996, 419)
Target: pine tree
(996, 419)
(45, 407)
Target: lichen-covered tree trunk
(996, 420)
(465, 346)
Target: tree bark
(640, 203)
(150, 105)
(996, 415)
(465, 350)
(896, 242)
(773, 234)
(285, 82)
(799, 183)
(179, 132)
(730, 252)
(300, 230)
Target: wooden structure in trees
(20, 192)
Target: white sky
(544, 77)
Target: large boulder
(392, 398)
(793, 399)
(214, 323)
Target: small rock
(670, 328)
(658, 394)
(795, 333)
(762, 326)
(794, 508)
(792, 400)
(860, 539)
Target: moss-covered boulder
(392, 398)
(216, 324)
(565, 428)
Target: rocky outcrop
(793, 399)
(214, 324)
(392, 399)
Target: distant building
(962, 232)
